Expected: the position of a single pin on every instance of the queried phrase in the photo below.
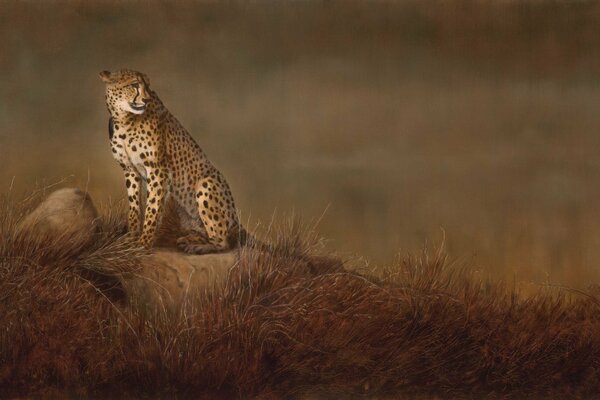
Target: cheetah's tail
(249, 240)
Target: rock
(167, 277)
(66, 214)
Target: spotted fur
(156, 151)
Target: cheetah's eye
(135, 85)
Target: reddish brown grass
(288, 324)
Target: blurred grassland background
(399, 118)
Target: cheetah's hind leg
(192, 241)
(214, 217)
(198, 243)
(200, 248)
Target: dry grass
(289, 324)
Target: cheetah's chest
(129, 149)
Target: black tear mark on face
(111, 128)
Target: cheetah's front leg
(156, 184)
(133, 182)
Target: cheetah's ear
(146, 79)
(105, 76)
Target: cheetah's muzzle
(138, 107)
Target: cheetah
(155, 150)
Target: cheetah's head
(126, 91)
